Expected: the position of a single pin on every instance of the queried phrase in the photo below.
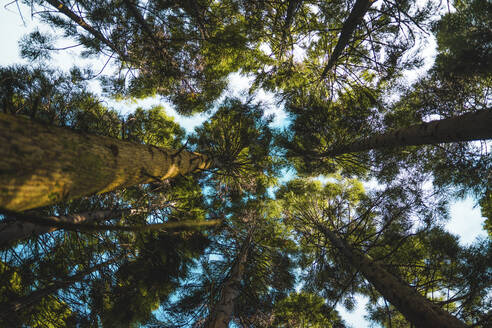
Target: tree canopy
(117, 218)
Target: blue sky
(466, 221)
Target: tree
(413, 306)
(61, 164)
(185, 50)
(245, 271)
(181, 50)
(43, 165)
(466, 127)
(343, 215)
(449, 274)
(221, 313)
(20, 230)
(336, 66)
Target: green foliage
(141, 284)
(53, 97)
(240, 143)
(486, 209)
(344, 120)
(305, 310)
(185, 51)
(153, 127)
(464, 39)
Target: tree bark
(466, 127)
(348, 28)
(222, 312)
(41, 165)
(18, 230)
(416, 308)
(29, 225)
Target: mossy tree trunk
(41, 165)
(466, 127)
(221, 313)
(417, 309)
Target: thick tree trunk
(416, 308)
(223, 310)
(348, 28)
(466, 127)
(17, 230)
(21, 303)
(41, 165)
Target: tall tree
(341, 216)
(43, 165)
(416, 308)
(221, 313)
(466, 127)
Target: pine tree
(337, 215)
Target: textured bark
(466, 127)
(41, 165)
(348, 28)
(14, 231)
(25, 302)
(416, 308)
(222, 312)
(28, 225)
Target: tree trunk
(20, 229)
(417, 309)
(36, 296)
(41, 165)
(222, 312)
(466, 127)
(348, 28)
(29, 225)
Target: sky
(466, 220)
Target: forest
(111, 218)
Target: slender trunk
(82, 23)
(222, 312)
(292, 8)
(417, 309)
(141, 21)
(36, 296)
(466, 127)
(28, 225)
(11, 232)
(41, 165)
(348, 28)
